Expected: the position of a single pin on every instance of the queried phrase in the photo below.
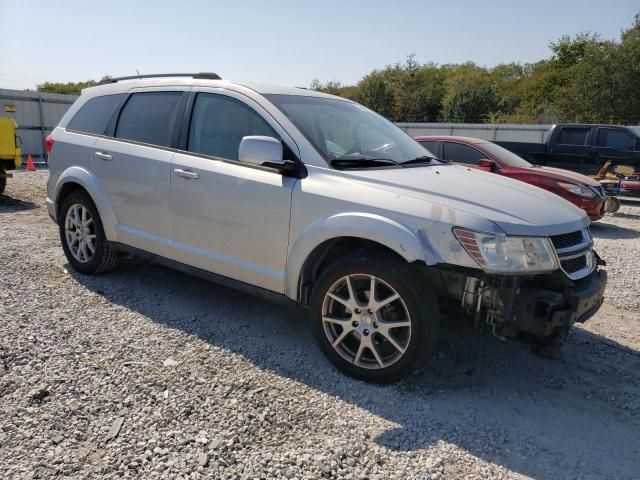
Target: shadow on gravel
(9, 205)
(579, 416)
(630, 216)
(614, 232)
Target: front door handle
(186, 173)
(103, 156)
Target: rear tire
(82, 235)
(381, 339)
(3, 180)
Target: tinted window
(506, 157)
(149, 117)
(618, 139)
(573, 136)
(430, 145)
(457, 152)
(218, 124)
(94, 115)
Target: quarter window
(459, 153)
(573, 136)
(616, 139)
(218, 124)
(149, 117)
(95, 114)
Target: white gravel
(146, 372)
(617, 240)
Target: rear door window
(573, 136)
(616, 139)
(218, 124)
(95, 114)
(149, 117)
(459, 153)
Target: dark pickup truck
(582, 148)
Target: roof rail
(201, 75)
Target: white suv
(315, 199)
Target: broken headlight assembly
(500, 253)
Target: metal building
(36, 113)
(487, 131)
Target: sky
(284, 42)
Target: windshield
(340, 129)
(506, 157)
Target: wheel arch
(77, 178)
(343, 234)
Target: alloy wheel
(80, 233)
(366, 321)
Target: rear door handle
(103, 156)
(186, 173)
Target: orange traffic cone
(30, 166)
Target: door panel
(618, 146)
(570, 149)
(136, 180)
(232, 219)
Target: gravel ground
(146, 372)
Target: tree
(418, 91)
(334, 88)
(375, 91)
(472, 104)
(597, 81)
(69, 87)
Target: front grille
(567, 240)
(575, 253)
(574, 264)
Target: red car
(579, 189)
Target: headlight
(577, 189)
(500, 253)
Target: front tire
(3, 180)
(82, 235)
(373, 318)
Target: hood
(516, 207)
(562, 175)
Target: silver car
(314, 199)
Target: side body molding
(402, 240)
(90, 183)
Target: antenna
(138, 73)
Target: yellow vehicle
(9, 151)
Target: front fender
(402, 240)
(92, 185)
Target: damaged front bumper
(541, 311)
(539, 306)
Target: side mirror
(486, 164)
(263, 151)
(258, 150)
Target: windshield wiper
(362, 162)
(422, 159)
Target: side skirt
(252, 290)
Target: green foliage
(418, 92)
(586, 79)
(472, 104)
(376, 91)
(69, 87)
